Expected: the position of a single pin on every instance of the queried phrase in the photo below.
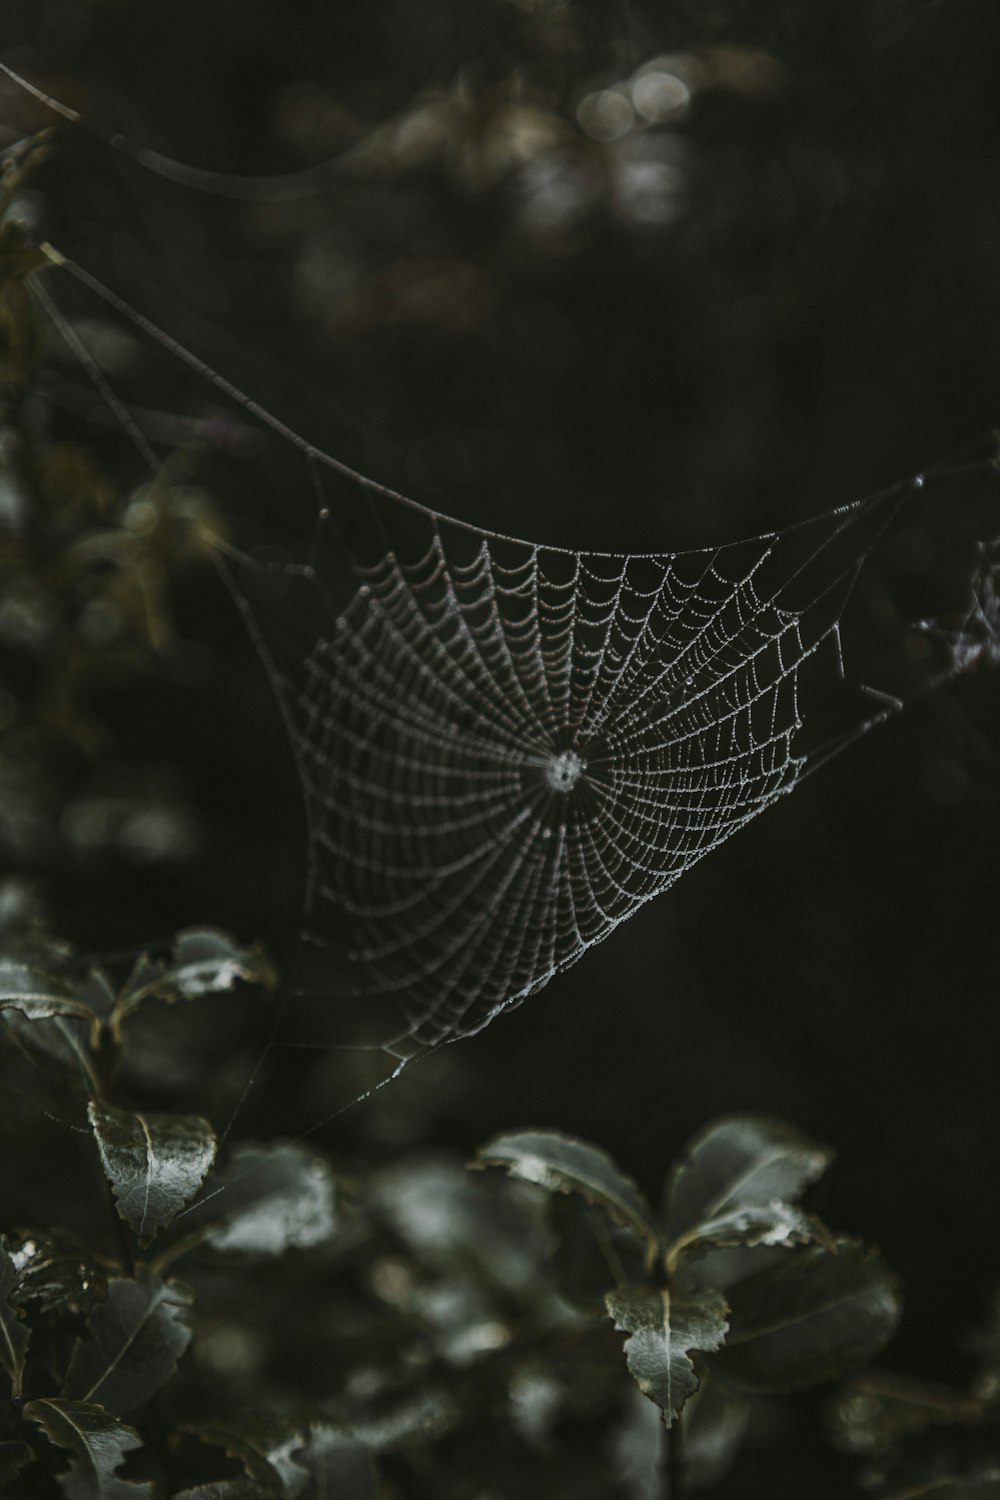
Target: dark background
(780, 299)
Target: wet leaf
(14, 1332)
(97, 1444)
(267, 1200)
(264, 1449)
(815, 1316)
(204, 961)
(664, 1330)
(154, 1163)
(135, 1339)
(563, 1164)
(739, 1161)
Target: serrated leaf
(135, 1339)
(15, 1334)
(265, 1449)
(748, 1226)
(815, 1316)
(96, 1442)
(563, 1164)
(203, 961)
(267, 1200)
(738, 1161)
(14, 1457)
(154, 1163)
(664, 1330)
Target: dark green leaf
(738, 1161)
(154, 1163)
(14, 1332)
(228, 1489)
(267, 1200)
(591, 1253)
(664, 1329)
(135, 1339)
(984, 1486)
(55, 1270)
(813, 1317)
(14, 1457)
(38, 994)
(563, 1164)
(878, 1408)
(204, 961)
(265, 1449)
(747, 1226)
(97, 1444)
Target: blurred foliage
(425, 1325)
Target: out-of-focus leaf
(228, 1489)
(39, 995)
(55, 1270)
(816, 1316)
(267, 1200)
(14, 1457)
(154, 1163)
(877, 1408)
(715, 1423)
(204, 961)
(15, 1334)
(265, 1449)
(340, 1466)
(664, 1329)
(591, 1253)
(739, 1161)
(135, 1339)
(563, 1164)
(750, 1225)
(983, 1486)
(97, 1444)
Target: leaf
(55, 1270)
(664, 1329)
(227, 1489)
(983, 1486)
(738, 1161)
(14, 1332)
(563, 1164)
(267, 1200)
(264, 1449)
(14, 1456)
(872, 1413)
(204, 961)
(38, 994)
(154, 1163)
(748, 1226)
(340, 1466)
(136, 1338)
(97, 1444)
(815, 1316)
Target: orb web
(505, 749)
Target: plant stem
(672, 1461)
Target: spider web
(505, 749)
